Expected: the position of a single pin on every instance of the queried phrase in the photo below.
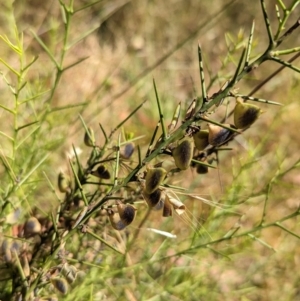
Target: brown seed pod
(101, 172)
(126, 212)
(127, 150)
(32, 226)
(201, 169)
(245, 114)
(115, 220)
(178, 206)
(159, 205)
(6, 251)
(69, 272)
(153, 198)
(201, 139)
(167, 210)
(60, 284)
(63, 182)
(154, 178)
(183, 154)
(89, 138)
(218, 135)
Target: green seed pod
(218, 135)
(201, 139)
(154, 178)
(89, 138)
(127, 150)
(101, 172)
(153, 198)
(60, 284)
(63, 182)
(245, 114)
(126, 212)
(31, 227)
(183, 154)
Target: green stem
(285, 51)
(203, 88)
(267, 23)
(161, 116)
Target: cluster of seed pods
(191, 147)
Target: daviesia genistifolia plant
(120, 177)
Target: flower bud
(183, 154)
(245, 114)
(154, 178)
(201, 139)
(89, 138)
(218, 135)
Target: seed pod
(101, 172)
(159, 205)
(201, 139)
(167, 211)
(127, 150)
(60, 284)
(245, 114)
(178, 206)
(115, 220)
(63, 182)
(153, 198)
(6, 251)
(154, 178)
(31, 227)
(16, 246)
(218, 135)
(183, 154)
(89, 138)
(69, 272)
(126, 212)
(201, 169)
